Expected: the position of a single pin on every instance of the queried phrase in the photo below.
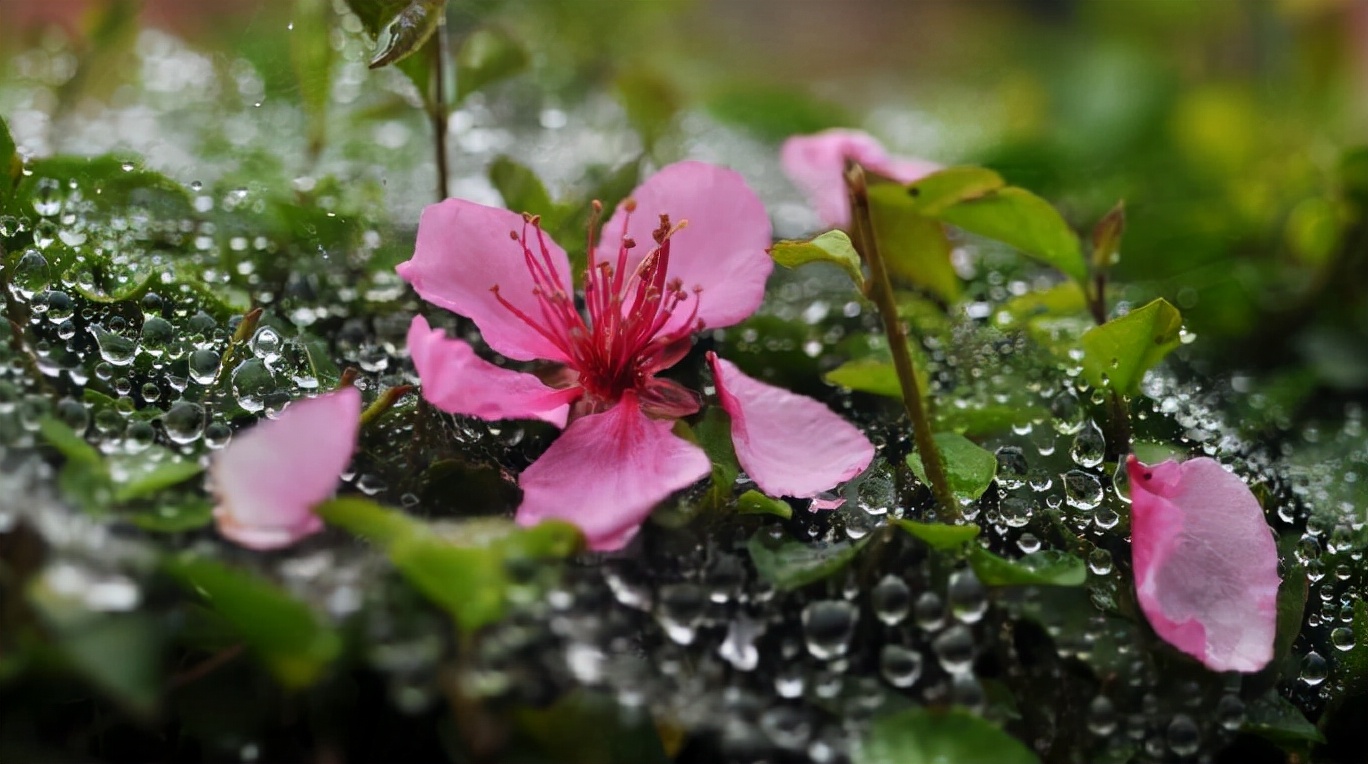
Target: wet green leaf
(1153, 451)
(311, 58)
(969, 468)
(1046, 568)
(1017, 217)
(486, 57)
(867, 375)
(115, 185)
(1060, 301)
(914, 246)
(983, 418)
(938, 736)
(292, 640)
(149, 471)
(755, 503)
(942, 536)
(173, 515)
(1120, 351)
(403, 33)
(831, 247)
(1275, 718)
(933, 194)
(790, 564)
(461, 567)
(69, 444)
(10, 165)
(321, 364)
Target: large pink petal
(1206, 566)
(268, 479)
(457, 381)
(790, 445)
(816, 165)
(722, 250)
(607, 471)
(463, 251)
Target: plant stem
(881, 292)
(1118, 430)
(437, 108)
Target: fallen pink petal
(267, 481)
(816, 164)
(1206, 566)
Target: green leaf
(1153, 451)
(933, 194)
(938, 736)
(713, 433)
(790, 564)
(311, 58)
(114, 185)
(11, 166)
(650, 101)
(406, 31)
(1120, 351)
(1275, 718)
(1046, 568)
(867, 375)
(1018, 217)
(120, 653)
(321, 364)
(149, 471)
(755, 503)
(173, 516)
(521, 189)
(487, 56)
(1351, 666)
(969, 468)
(1062, 300)
(940, 536)
(773, 114)
(982, 418)
(69, 444)
(831, 247)
(914, 246)
(287, 634)
(461, 567)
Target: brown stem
(437, 106)
(1118, 430)
(881, 292)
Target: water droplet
(828, 626)
(1342, 638)
(681, 610)
(1230, 712)
(1012, 467)
(968, 599)
(184, 422)
(115, 349)
(1100, 562)
(899, 666)
(929, 611)
(157, 334)
(1183, 736)
(891, 600)
(204, 366)
(1101, 716)
(1314, 669)
(31, 275)
(955, 649)
(1089, 447)
(1082, 490)
(786, 726)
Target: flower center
(625, 335)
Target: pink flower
(816, 164)
(1206, 567)
(704, 265)
(268, 480)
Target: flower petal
(816, 165)
(457, 381)
(789, 444)
(268, 479)
(463, 251)
(606, 473)
(722, 250)
(1206, 566)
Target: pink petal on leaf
(464, 250)
(722, 250)
(268, 479)
(1206, 566)
(606, 473)
(816, 165)
(789, 444)
(457, 381)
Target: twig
(881, 292)
(437, 105)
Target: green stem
(438, 108)
(1118, 430)
(881, 292)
